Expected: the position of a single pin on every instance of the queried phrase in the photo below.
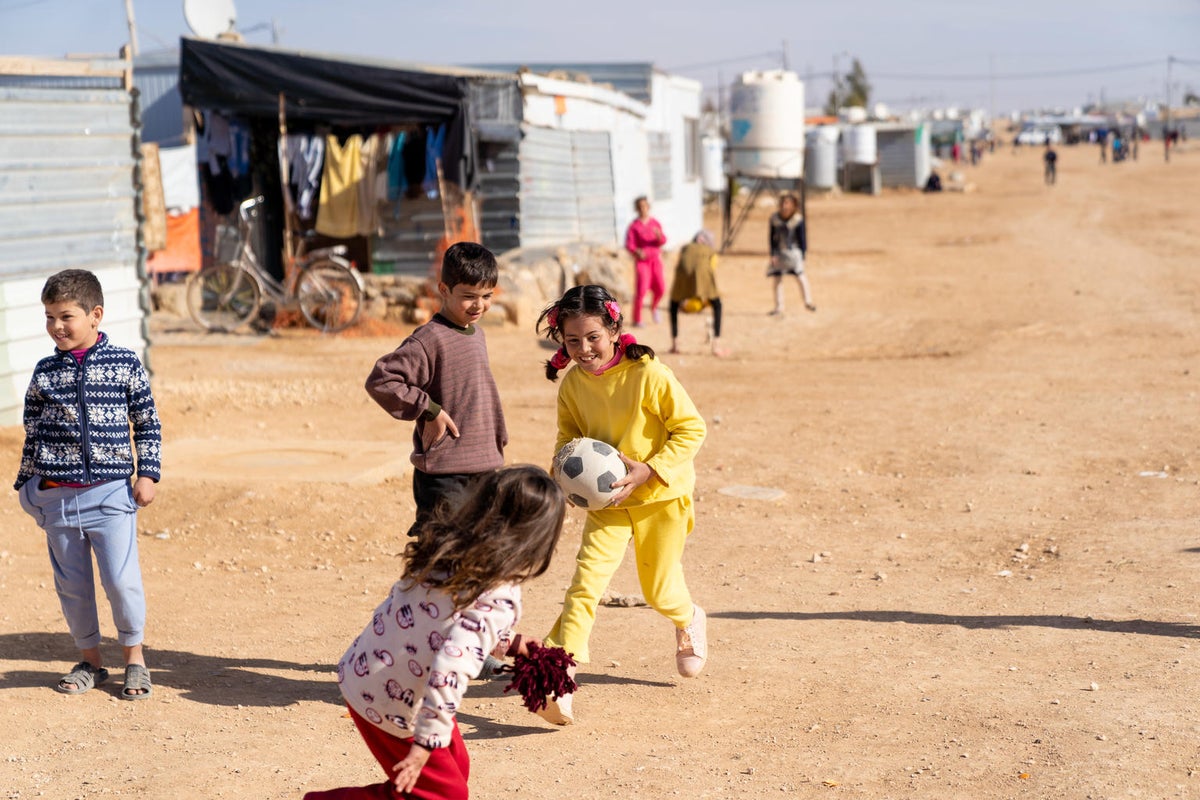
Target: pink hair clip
(560, 360)
(552, 318)
(614, 309)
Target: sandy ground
(981, 582)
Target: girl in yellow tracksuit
(620, 394)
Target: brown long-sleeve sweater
(441, 366)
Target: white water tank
(859, 144)
(822, 156)
(852, 114)
(712, 163)
(767, 125)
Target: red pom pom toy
(540, 674)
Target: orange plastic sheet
(182, 253)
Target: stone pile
(530, 278)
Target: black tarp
(245, 81)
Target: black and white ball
(585, 470)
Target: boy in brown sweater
(440, 377)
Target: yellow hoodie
(640, 408)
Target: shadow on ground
(1138, 626)
(212, 680)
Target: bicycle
(227, 295)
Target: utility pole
(133, 42)
(785, 55)
(720, 103)
(1167, 115)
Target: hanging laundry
(435, 139)
(395, 168)
(371, 158)
(180, 190)
(381, 171)
(306, 160)
(239, 148)
(240, 135)
(216, 143)
(414, 162)
(337, 215)
(213, 148)
(218, 185)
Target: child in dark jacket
(74, 476)
(789, 244)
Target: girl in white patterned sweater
(460, 598)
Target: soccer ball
(585, 470)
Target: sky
(998, 56)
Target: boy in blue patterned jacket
(75, 471)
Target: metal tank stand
(731, 226)
(862, 178)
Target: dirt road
(981, 581)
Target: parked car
(1040, 134)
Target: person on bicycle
(441, 378)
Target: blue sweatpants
(100, 519)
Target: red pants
(648, 276)
(444, 776)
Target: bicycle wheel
(223, 297)
(330, 295)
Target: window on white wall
(691, 149)
(660, 164)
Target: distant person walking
(644, 240)
(1051, 160)
(789, 243)
(1102, 139)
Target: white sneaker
(691, 645)
(558, 712)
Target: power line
(1018, 76)
(949, 76)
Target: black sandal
(137, 683)
(82, 677)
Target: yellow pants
(658, 531)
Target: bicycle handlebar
(247, 204)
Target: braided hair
(584, 301)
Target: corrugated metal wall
(496, 111)
(549, 212)
(68, 198)
(157, 80)
(904, 156)
(566, 187)
(660, 165)
(592, 157)
(498, 193)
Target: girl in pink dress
(644, 240)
